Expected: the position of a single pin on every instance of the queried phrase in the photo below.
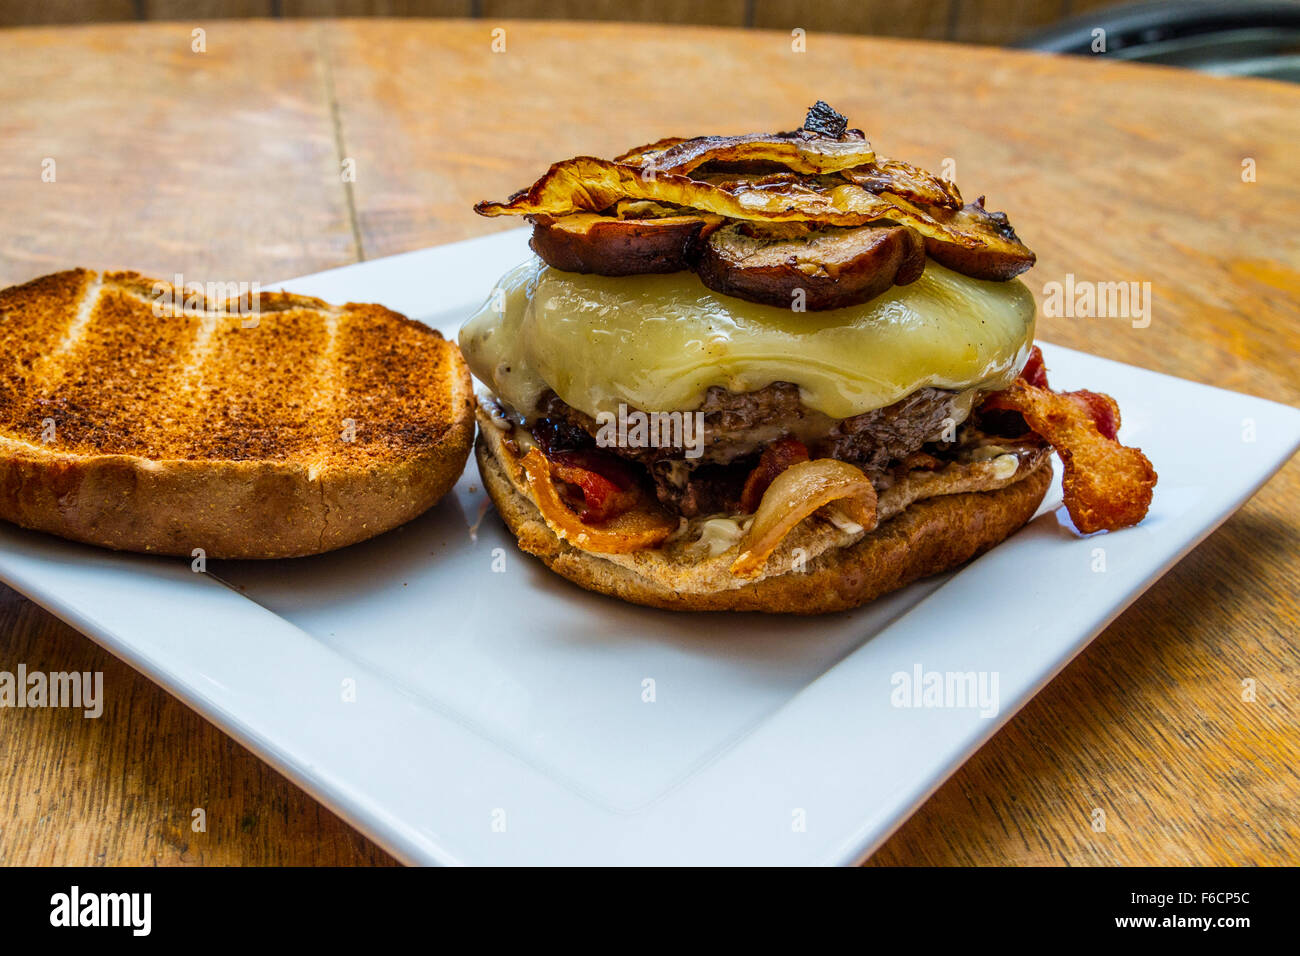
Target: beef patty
(738, 425)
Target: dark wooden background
(968, 21)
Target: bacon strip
(1107, 485)
(1035, 372)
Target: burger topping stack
(845, 329)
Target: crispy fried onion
(800, 152)
(1107, 485)
(639, 154)
(587, 184)
(632, 529)
(904, 179)
(796, 493)
(823, 173)
(824, 144)
(942, 224)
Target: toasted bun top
(123, 365)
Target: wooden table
(226, 164)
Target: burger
(774, 372)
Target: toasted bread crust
(230, 442)
(929, 537)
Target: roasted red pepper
(607, 485)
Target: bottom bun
(931, 536)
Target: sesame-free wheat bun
(297, 429)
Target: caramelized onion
(633, 530)
(795, 494)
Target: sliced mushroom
(999, 253)
(833, 267)
(613, 246)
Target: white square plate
(501, 716)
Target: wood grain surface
(979, 21)
(226, 165)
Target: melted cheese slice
(658, 342)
